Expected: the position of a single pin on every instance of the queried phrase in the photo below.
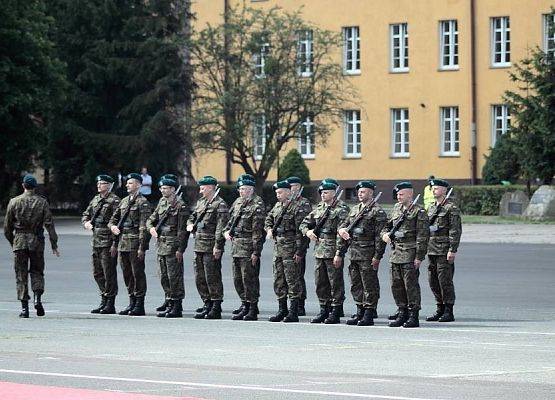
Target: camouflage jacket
(288, 238)
(249, 233)
(26, 216)
(326, 246)
(365, 242)
(133, 235)
(172, 234)
(411, 240)
(445, 233)
(103, 208)
(210, 231)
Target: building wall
(423, 90)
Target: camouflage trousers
(245, 279)
(133, 273)
(405, 286)
(365, 286)
(302, 266)
(29, 263)
(171, 276)
(287, 274)
(208, 276)
(440, 277)
(105, 271)
(330, 286)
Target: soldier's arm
(269, 222)
(380, 221)
(9, 223)
(388, 226)
(308, 223)
(153, 218)
(301, 241)
(114, 220)
(87, 214)
(258, 232)
(192, 218)
(232, 211)
(144, 234)
(455, 229)
(221, 223)
(48, 223)
(422, 234)
(182, 234)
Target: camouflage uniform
(134, 236)
(445, 235)
(330, 286)
(304, 204)
(23, 227)
(365, 244)
(289, 241)
(411, 241)
(103, 264)
(209, 237)
(172, 237)
(248, 239)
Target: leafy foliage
(294, 165)
(502, 163)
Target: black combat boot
(282, 311)
(368, 317)
(38, 306)
(176, 310)
(374, 313)
(335, 316)
(412, 322)
(164, 306)
(252, 315)
(139, 307)
(302, 311)
(394, 316)
(162, 314)
(242, 313)
(324, 312)
(356, 316)
(109, 307)
(341, 312)
(126, 310)
(205, 310)
(100, 306)
(24, 309)
(402, 317)
(447, 314)
(240, 309)
(293, 315)
(439, 312)
(216, 310)
(201, 307)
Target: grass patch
(495, 219)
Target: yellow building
(430, 74)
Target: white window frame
(351, 50)
(548, 41)
(400, 124)
(501, 35)
(352, 134)
(450, 131)
(399, 41)
(260, 60)
(500, 121)
(306, 138)
(305, 53)
(259, 136)
(449, 44)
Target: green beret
(167, 182)
(401, 185)
(366, 184)
(439, 182)
(30, 181)
(294, 179)
(246, 182)
(246, 176)
(330, 180)
(207, 180)
(104, 178)
(169, 176)
(282, 185)
(134, 175)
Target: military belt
(243, 236)
(130, 230)
(24, 230)
(327, 236)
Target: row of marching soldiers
(125, 227)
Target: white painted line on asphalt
(493, 373)
(216, 386)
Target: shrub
(482, 199)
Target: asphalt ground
(502, 345)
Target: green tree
(31, 88)
(259, 76)
(294, 165)
(502, 162)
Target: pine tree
(294, 165)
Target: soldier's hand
(179, 256)
(417, 263)
(190, 227)
(140, 255)
(386, 238)
(56, 252)
(153, 232)
(269, 235)
(113, 251)
(337, 261)
(375, 264)
(88, 226)
(451, 257)
(344, 234)
(310, 234)
(115, 230)
(227, 236)
(254, 259)
(217, 254)
(298, 259)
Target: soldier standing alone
(104, 243)
(26, 216)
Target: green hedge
(483, 199)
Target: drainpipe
(474, 130)
(228, 154)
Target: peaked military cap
(294, 179)
(282, 185)
(104, 178)
(134, 175)
(439, 182)
(207, 180)
(365, 184)
(167, 182)
(30, 181)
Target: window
(306, 138)
(305, 55)
(400, 132)
(449, 44)
(399, 44)
(352, 133)
(260, 61)
(500, 42)
(259, 136)
(351, 50)
(549, 34)
(500, 121)
(450, 131)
